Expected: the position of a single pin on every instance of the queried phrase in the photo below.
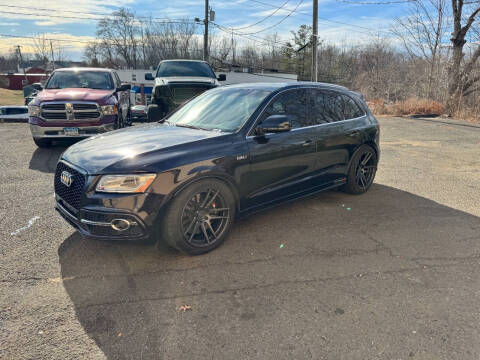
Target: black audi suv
(230, 151)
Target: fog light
(121, 224)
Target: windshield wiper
(191, 127)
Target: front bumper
(103, 223)
(41, 132)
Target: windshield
(222, 109)
(184, 68)
(80, 79)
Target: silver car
(13, 113)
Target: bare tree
(119, 36)
(462, 79)
(421, 33)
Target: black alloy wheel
(363, 168)
(199, 217)
(204, 218)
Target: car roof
(84, 69)
(189, 60)
(286, 85)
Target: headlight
(109, 109)
(33, 110)
(137, 183)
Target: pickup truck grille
(70, 194)
(87, 115)
(55, 111)
(180, 95)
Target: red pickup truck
(79, 102)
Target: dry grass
(411, 106)
(11, 97)
(469, 114)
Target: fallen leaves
(184, 308)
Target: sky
(340, 22)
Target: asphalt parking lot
(392, 274)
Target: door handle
(304, 143)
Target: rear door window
(351, 109)
(326, 106)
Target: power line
(278, 23)
(265, 18)
(82, 12)
(89, 18)
(324, 19)
(376, 3)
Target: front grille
(53, 107)
(70, 194)
(80, 106)
(87, 115)
(183, 94)
(81, 111)
(54, 115)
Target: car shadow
(270, 285)
(45, 159)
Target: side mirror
(149, 76)
(273, 124)
(222, 77)
(124, 87)
(37, 86)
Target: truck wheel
(154, 113)
(43, 143)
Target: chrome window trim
(311, 126)
(248, 136)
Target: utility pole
(21, 62)
(51, 50)
(233, 50)
(315, 42)
(205, 35)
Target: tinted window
(16, 111)
(80, 79)
(327, 106)
(184, 68)
(292, 103)
(351, 110)
(222, 109)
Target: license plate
(70, 131)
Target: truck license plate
(70, 131)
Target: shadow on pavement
(45, 159)
(331, 274)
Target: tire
(361, 173)
(42, 143)
(199, 218)
(154, 113)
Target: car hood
(184, 79)
(73, 94)
(132, 149)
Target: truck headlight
(135, 183)
(33, 110)
(109, 109)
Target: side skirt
(291, 198)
